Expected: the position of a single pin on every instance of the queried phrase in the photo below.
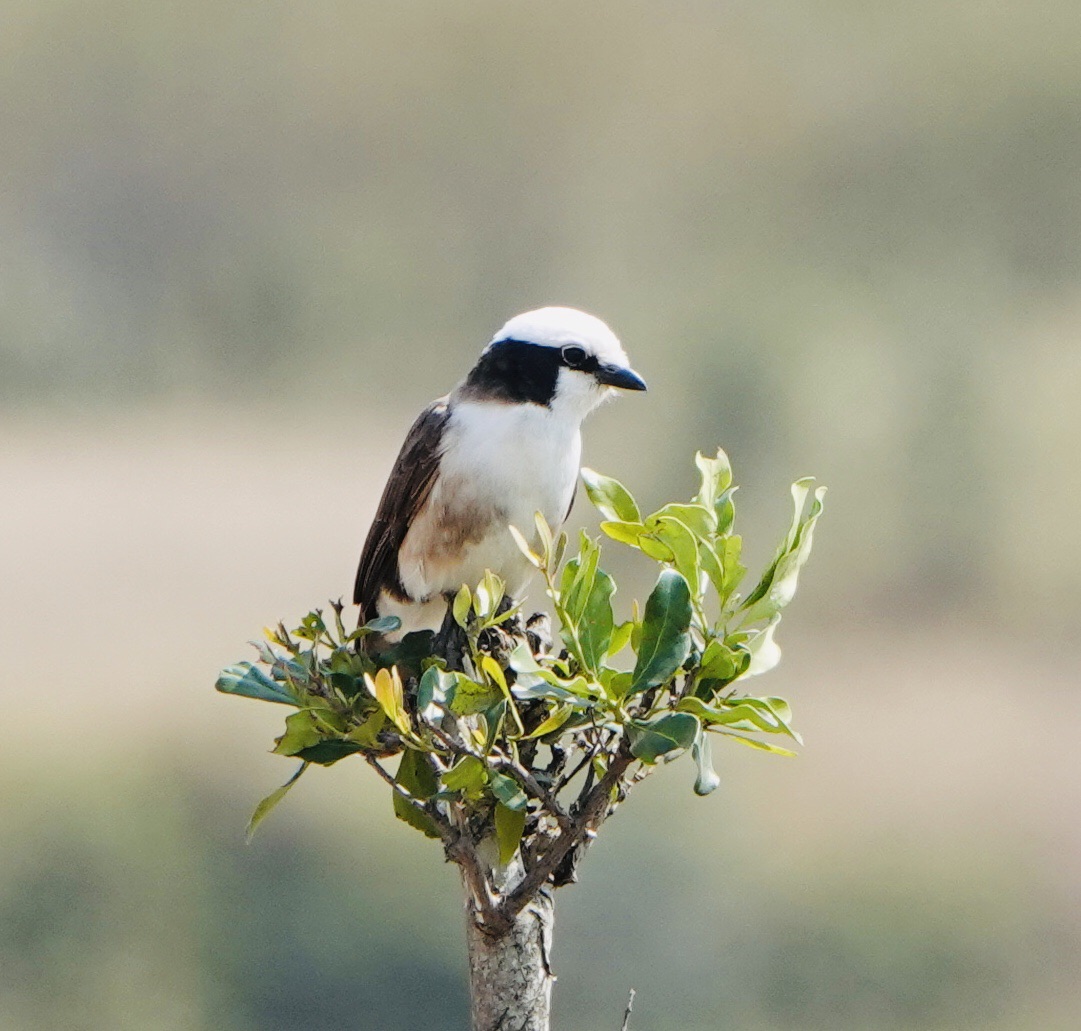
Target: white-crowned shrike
(505, 444)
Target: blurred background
(243, 243)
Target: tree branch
(511, 766)
(531, 784)
(592, 813)
(461, 851)
(446, 831)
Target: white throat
(519, 458)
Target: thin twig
(588, 756)
(564, 781)
(455, 747)
(627, 1013)
(516, 770)
(457, 845)
(587, 784)
(530, 783)
(446, 831)
(593, 812)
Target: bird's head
(560, 358)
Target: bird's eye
(573, 355)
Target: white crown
(557, 327)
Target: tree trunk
(510, 976)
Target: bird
(505, 444)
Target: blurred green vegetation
(836, 238)
(846, 237)
(142, 908)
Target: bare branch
(462, 852)
(591, 815)
(446, 831)
(530, 783)
(515, 769)
(458, 847)
(455, 747)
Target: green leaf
(778, 584)
(469, 775)
(579, 693)
(525, 547)
(409, 653)
(747, 716)
(729, 550)
(781, 709)
(720, 662)
(330, 721)
(339, 626)
(621, 637)
(707, 780)
(666, 639)
(471, 697)
(416, 775)
(509, 826)
(386, 686)
(578, 577)
(750, 714)
(381, 625)
(311, 626)
(367, 734)
(555, 720)
(761, 746)
(522, 660)
(610, 497)
(493, 717)
(326, 753)
(716, 474)
(506, 789)
(463, 601)
(655, 549)
(250, 681)
(488, 595)
(536, 681)
(266, 656)
(559, 549)
(544, 535)
(434, 692)
(596, 624)
(712, 566)
(701, 521)
(684, 547)
(774, 716)
(617, 683)
(297, 672)
(346, 661)
(301, 731)
(667, 733)
(725, 510)
(494, 672)
(765, 652)
(263, 809)
(625, 533)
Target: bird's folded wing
(406, 491)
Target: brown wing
(570, 507)
(406, 491)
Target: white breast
(501, 464)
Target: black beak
(618, 376)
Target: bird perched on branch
(505, 444)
